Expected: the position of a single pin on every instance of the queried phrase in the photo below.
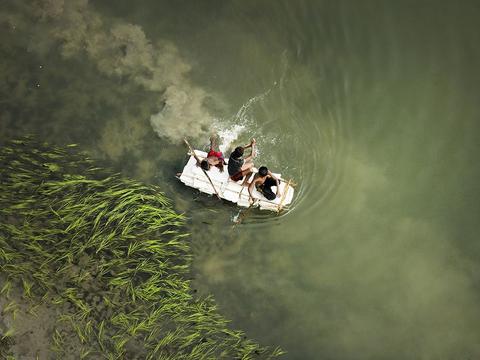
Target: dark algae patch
(95, 266)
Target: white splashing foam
(240, 124)
(229, 135)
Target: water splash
(242, 113)
(240, 125)
(228, 135)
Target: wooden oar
(244, 214)
(197, 158)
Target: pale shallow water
(372, 107)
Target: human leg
(247, 177)
(247, 166)
(214, 141)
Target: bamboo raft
(215, 182)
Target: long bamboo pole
(290, 182)
(197, 158)
(284, 195)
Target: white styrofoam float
(193, 176)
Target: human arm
(252, 143)
(250, 189)
(253, 152)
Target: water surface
(372, 107)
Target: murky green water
(372, 107)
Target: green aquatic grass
(111, 254)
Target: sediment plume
(57, 38)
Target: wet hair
(205, 165)
(238, 152)
(263, 171)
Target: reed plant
(110, 250)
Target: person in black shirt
(239, 167)
(263, 182)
